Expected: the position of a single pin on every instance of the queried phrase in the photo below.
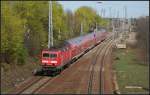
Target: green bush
(22, 56)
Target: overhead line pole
(123, 20)
(50, 32)
(110, 21)
(113, 26)
(100, 14)
(49, 27)
(118, 23)
(51, 23)
(81, 31)
(104, 14)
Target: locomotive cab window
(53, 55)
(46, 55)
(50, 55)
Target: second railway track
(31, 85)
(103, 48)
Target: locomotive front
(50, 58)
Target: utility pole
(118, 20)
(96, 27)
(123, 20)
(104, 14)
(81, 31)
(49, 27)
(101, 13)
(50, 33)
(51, 24)
(110, 21)
(59, 37)
(81, 26)
(125, 13)
(118, 23)
(126, 20)
(113, 30)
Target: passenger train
(57, 58)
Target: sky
(112, 8)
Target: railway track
(33, 88)
(100, 51)
(102, 78)
(31, 85)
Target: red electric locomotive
(56, 59)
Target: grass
(131, 72)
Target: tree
(59, 25)
(12, 29)
(70, 23)
(84, 15)
(89, 18)
(36, 13)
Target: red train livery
(56, 59)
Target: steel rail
(103, 44)
(29, 85)
(101, 88)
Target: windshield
(53, 55)
(46, 55)
(50, 55)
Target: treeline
(24, 27)
(142, 29)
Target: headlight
(44, 61)
(53, 61)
